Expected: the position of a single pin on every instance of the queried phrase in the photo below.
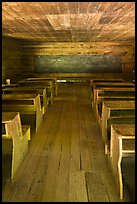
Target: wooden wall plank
(11, 60)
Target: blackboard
(77, 64)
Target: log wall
(11, 59)
(18, 56)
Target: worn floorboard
(66, 160)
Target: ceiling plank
(69, 21)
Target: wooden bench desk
(121, 150)
(25, 90)
(41, 76)
(55, 85)
(46, 84)
(28, 105)
(96, 85)
(112, 84)
(14, 143)
(113, 91)
(102, 93)
(98, 106)
(115, 112)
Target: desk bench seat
(121, 110)
(111, 91)
(30, 90)
(28, 115)
(99, 86)
(102, 99)
(116, 120)
(122, 155)
(46, 84)
(14, 143)
(54, 80)
(28, 105)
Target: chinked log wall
(11, 59)
(18, 56)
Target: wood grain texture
(69, 21)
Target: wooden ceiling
(69, 21)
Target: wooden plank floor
(66, 160)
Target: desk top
(116, 97)
(35, 82)
(26, 88)
(114, 84)
(19, 96)
(119, 105)
(40, 79)
(32, 84)
(124, 130)
(8, 116)
(114, 88)
(107, 80)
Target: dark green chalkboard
(77, 64)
